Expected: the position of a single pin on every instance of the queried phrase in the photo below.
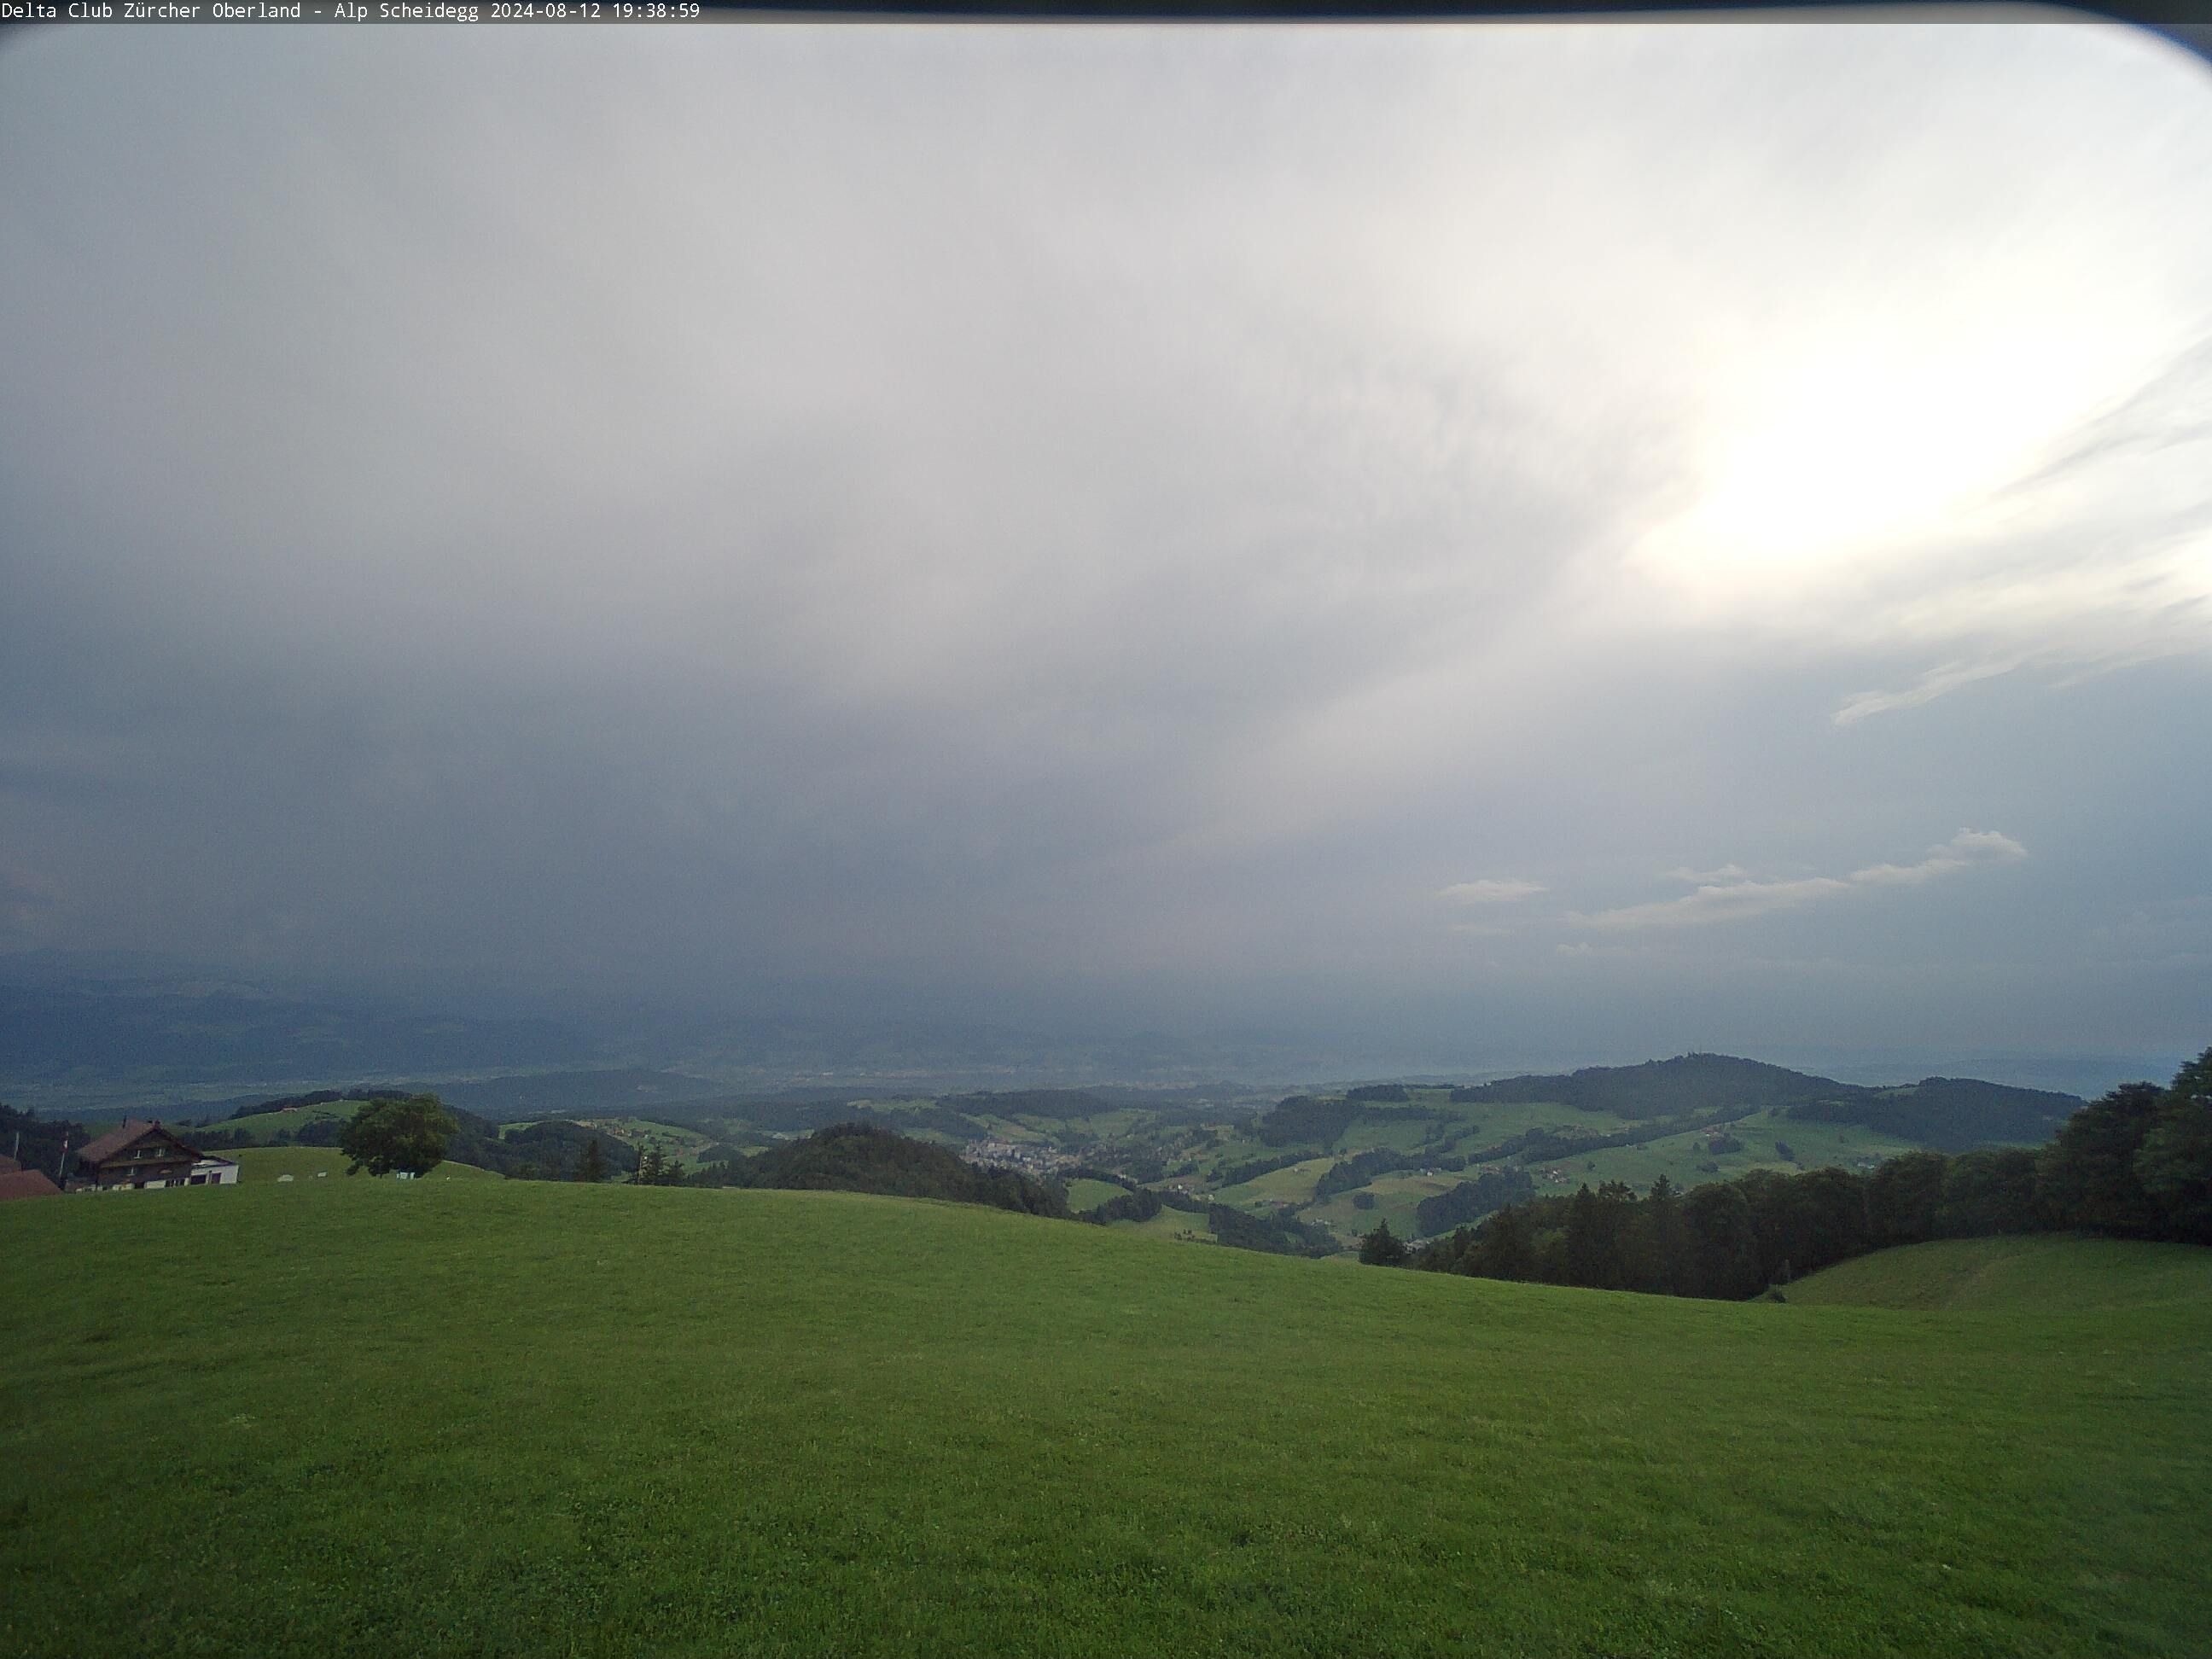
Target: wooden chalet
(142, 1154)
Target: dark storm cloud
(1175, 517)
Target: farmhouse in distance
(141, 1154)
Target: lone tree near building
(391, 1134)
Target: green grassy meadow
(1682, 1158)
(260, 1164)
(2039, 1273)
(356, 1416)
(1293, 1185)
(1089, 1195)
(1177, 1224)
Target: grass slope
(259, 1163)
(513, 1418)
(2042, 1274)
(1089, 1195)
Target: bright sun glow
(1847, 458)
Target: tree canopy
(2135, 1163)
(864, 1158)
(388, 1135)
(1383, 1247)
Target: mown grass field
(2044, 1274)
(1089, 1195)
(509, 1418)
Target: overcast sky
(1630, 537)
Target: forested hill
(862, 1158)
(1951, 1113)
(1664, 1088)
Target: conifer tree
(1383, 1247)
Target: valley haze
(96, 1036)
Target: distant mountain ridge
(1950, 1114)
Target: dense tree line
(1491, 1189)
(1277, 1235)
(1348, 1173)
(38, 1140)
(1235, 1175)
(1098, 1172)
(2137, 1164)
(1303, 1119)
(1949, 1114)
(552, 1150)
(308, 1131)
(1136, 1204)
(866, 1158)
(1662, 1088)
(1543, 1145)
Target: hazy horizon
(1533, 541)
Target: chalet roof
(112, 1142)
(25, 1183)
(133, 1131)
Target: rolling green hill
(260, 1164)
(1693, 1119)
(1949, 1114)
(489, 1417)
(2043, 1274)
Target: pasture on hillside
(356, 1416)
(2035, 1272)
(1685, 1160)
(1089, 1195)
(1178, 1224)
(260, 1164)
